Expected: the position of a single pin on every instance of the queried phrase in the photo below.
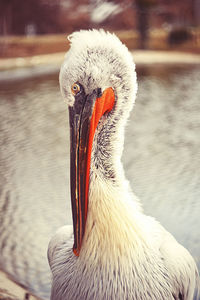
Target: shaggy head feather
(98, 59)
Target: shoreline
(140, 57)
(38, 65)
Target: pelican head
(98, 81)
(113, 251)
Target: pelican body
(113, 251)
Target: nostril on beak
(99, 93)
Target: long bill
(84, 117)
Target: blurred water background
(161, 152)
(161, 159)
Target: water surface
(161, 159)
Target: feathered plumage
(124, 253)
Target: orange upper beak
(84, 118)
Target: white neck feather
(113, 222)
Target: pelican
(113, 251)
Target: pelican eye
(75, 89)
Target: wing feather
(182, 267)
(62, 236)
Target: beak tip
(76, 251)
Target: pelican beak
(84, 117)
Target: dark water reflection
(161, 159)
